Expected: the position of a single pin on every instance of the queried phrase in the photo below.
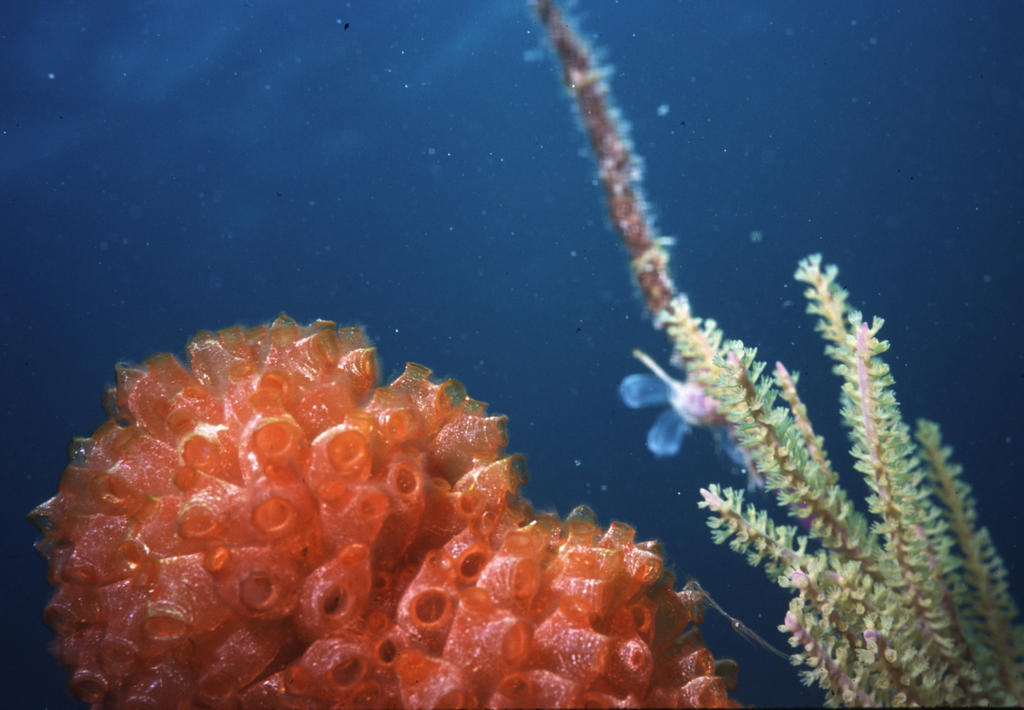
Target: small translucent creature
(694, 593)
(689, 405)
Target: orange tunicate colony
(271, 529)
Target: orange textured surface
(271, 529)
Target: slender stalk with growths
(906, 605)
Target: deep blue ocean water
(417, 168)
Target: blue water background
(167, 167)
